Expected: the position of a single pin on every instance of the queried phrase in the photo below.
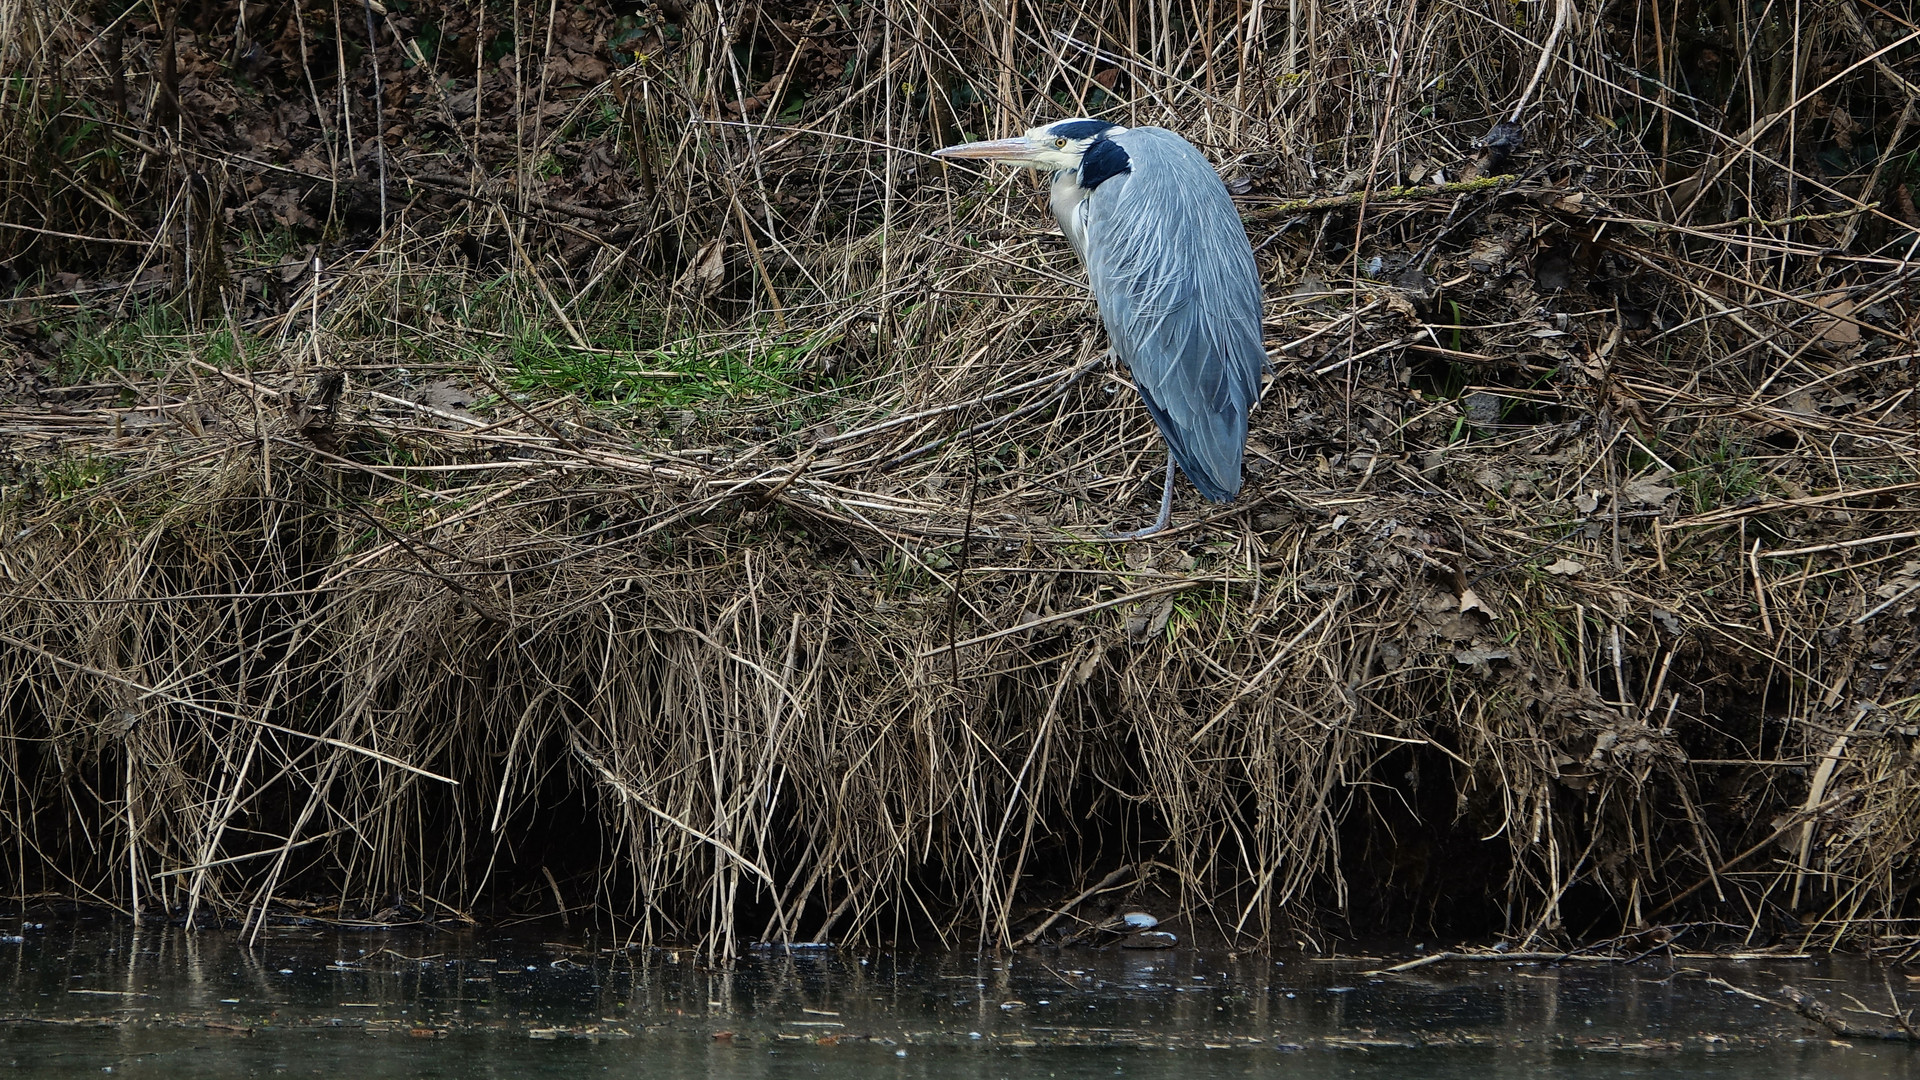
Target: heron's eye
(1059, 143)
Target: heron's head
(1050, 147)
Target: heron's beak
(1014, 150)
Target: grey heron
(1173, 276)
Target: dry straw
(1573, 588)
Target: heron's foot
(1166, 510)
(1138, 534)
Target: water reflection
(115, 999)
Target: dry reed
(675, 448)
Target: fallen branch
(1549, 957)
(1105, 883)
(1814, 1009)
(455, 186)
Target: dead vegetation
(588, 458)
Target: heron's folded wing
(1175, 280)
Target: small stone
(1482, 408)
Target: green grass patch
(679, 375)
(1724, 478)
(153, 340)
(63, 479)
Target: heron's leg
(1166, 508)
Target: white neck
(1069, 203)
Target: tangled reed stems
(597, 463)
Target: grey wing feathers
(1178, 291)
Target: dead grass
(742, 483)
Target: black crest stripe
(1078, 129)
(1104, 159)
